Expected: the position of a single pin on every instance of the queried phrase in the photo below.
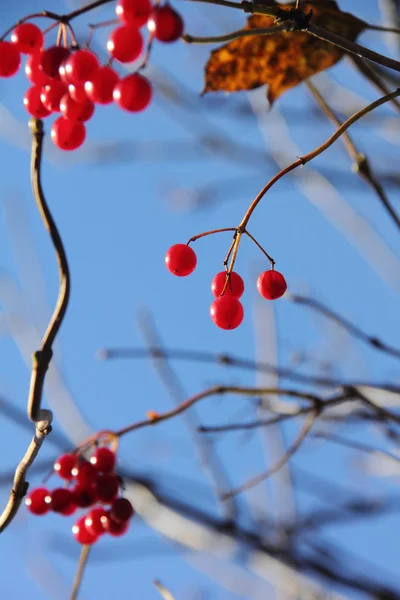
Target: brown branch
(43, 356)
(191, 39)
(371, 73)
(79, 574)
(282, 461)
(347, 325)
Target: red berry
(93, 522)
(85, 474)
(180, 260)
(36, 503)
(234, 287)
(84, 496)
(81, 534)
(134, 12)
(166, 23)
(52, 93)
(227, 312)
(60, 500)
(34, 72)
(101, 86)
(121, 510)
(9, 59)
(77, 93)
(107, 487)
(27, 37)
(271, 285)
(103, 459)
(68, 135)
(114, 528)
(51, 59)
(64, 465)
(33, 103)
(76, 111)
(125, 43)
(81, 66)
(133, 93)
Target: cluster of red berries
(226, 311)
(71, 81)
(92, 484)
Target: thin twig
(43, 356)
(371, 73)
(80, 571)
(163, 590)
(191, 39)
(342, 441)
(282, 461)
(350, 327)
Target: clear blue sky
(117, 219)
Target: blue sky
(117, 217)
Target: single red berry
(81, 534)
(69, 510)
(234, 287)
(103, 459)
(114, 528)
(34, 72)
(85, 474)
(133, 93)
(134, 12)
(121, 510)
(77, 93)
(165, 23)
(93, 521)
(9, 59)
(81, 66)
(51, 59)
(64, 465)
(101, 86)
(180, 260)
(68, 135)
(107, 487)
(84, 496)
(60, 500)
(76, 111)
(52, 93)
(227, 312)
(271, 285)
(36, 503)
(27, 37)
(33, 103)
(125, 43)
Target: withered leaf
(281, 60)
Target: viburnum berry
(36, 501)
(180, 260)
(81, 534)
(93, 522)
(27, 38)
(81, 66)
(84, 496)
(76, 111)
(64, 465)
(133, 93)
(101, 86)
(134, 12)
(51, 59)
(114, 528)
(103, 459)
(34, 104)
(121, 510)
(52, 94)
(165, 23)
(60, 500)
(125, 43)
(271, 284)
(85, 474)
(9, 59)
(77, 93)
(227, 312)
(34, 72)
(234, 287)
(107, 486)
(68, 135)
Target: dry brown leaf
(281, 60)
